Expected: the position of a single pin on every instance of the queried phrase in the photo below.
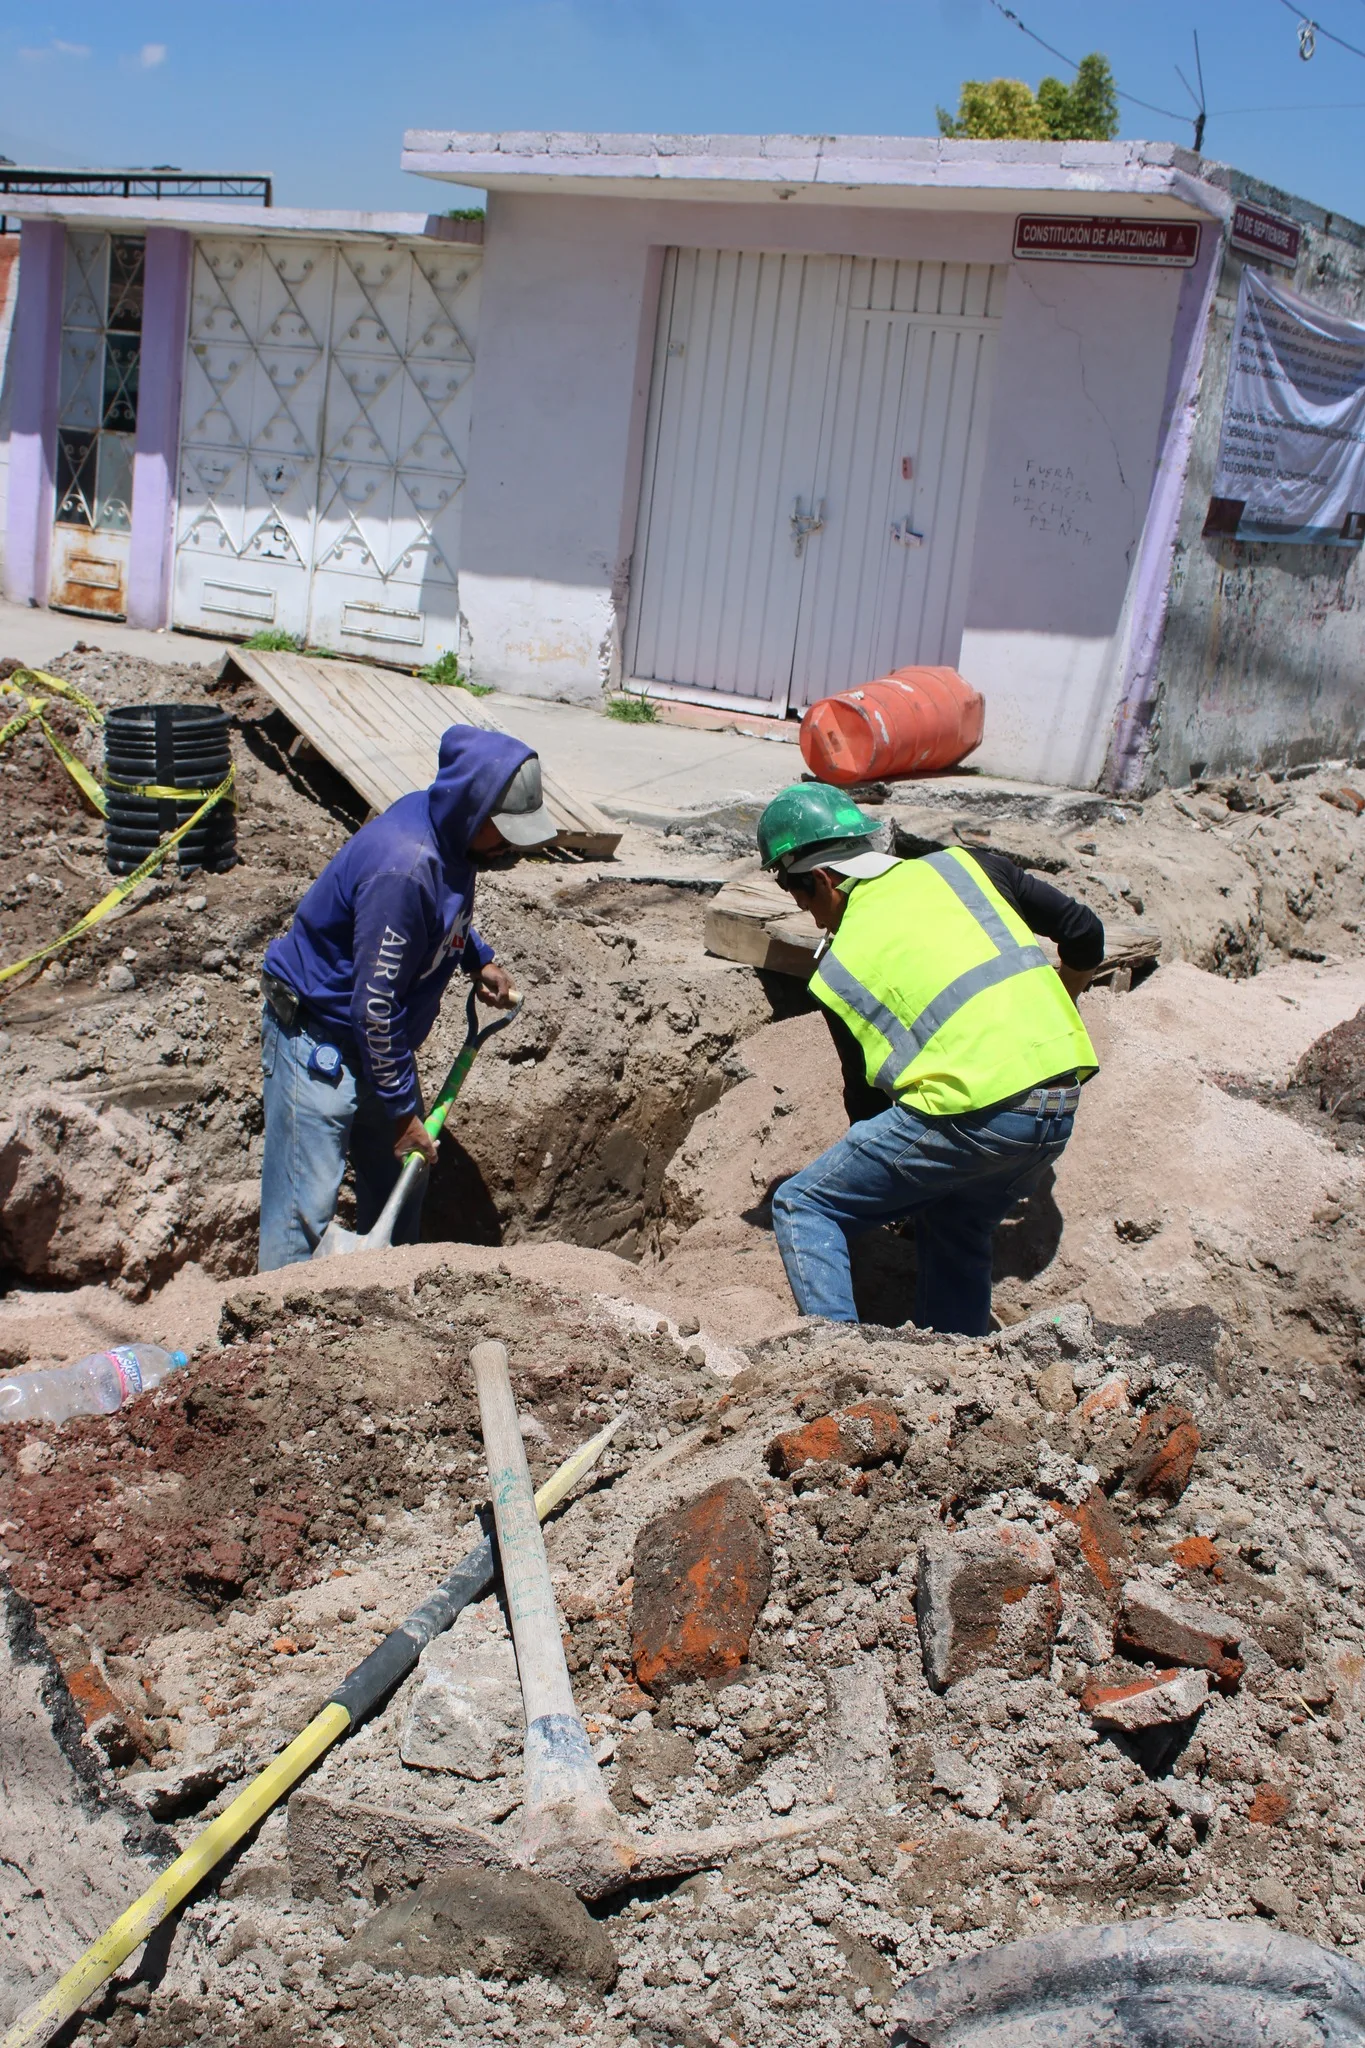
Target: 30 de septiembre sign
(1080, 238)
(1258, 232)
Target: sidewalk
(656, 775)
(645, 774)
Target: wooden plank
(754, 921)
(382, 733)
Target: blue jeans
(956, 1176)
(312, 1122)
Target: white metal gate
(812, 466)
(324, 441)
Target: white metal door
(255, 376)
(396, 434)
(899, 475)
(740, 373)
(812, 468)
(324, 440)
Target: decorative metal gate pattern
(326, 418)
(813, 461)
(97, 420)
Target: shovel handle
(435, 1120)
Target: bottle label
(125, 1364)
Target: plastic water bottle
(98, 1384)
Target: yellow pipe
(192, 1865)
(176, 1882)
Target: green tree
(1087, 110)
(994, 110)
(1006, 110)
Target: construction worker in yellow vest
(948, 1015)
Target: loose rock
(1150, 1703)
(497, 1923)
(1156, 1624)
(466, 1713)
(867, 1434)
(986, 1595)
(701, 1579)
(1163, 1454)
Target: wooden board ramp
(754, 921)
(381, 731)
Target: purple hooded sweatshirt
(375, 941)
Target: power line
(1312, 24)
(1167, 113)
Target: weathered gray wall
(1263, 660)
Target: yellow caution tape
(58, 688)
(34, 708)
(126, 887)
(158, 789)
(77, 770)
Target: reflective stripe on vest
(907, 1041)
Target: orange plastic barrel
(912, 722)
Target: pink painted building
(738, 419)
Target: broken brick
(1104, 1546)
(120, 1733)
(1153, 1702)
(1170, 1629)
(1197, 1554)
(867, 1434)
(701, 1578)
(1163, 1454)
(1269, 1806)
(1110, 1397)
(986, 1596)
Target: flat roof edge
(190, 214)
(838, 179)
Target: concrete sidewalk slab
(655, 775)
(645, 774)
(30, 634)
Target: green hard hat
(807, 815)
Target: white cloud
(151, 54)
(56, 48)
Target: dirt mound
(86, 1194)
(1002, 1805)
(256, 1468)
(1335, 1066)
(1179, 1184)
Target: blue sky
(319, 94)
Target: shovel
(336, 1240)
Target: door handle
(804, 523)
(903, 532)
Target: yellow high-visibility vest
(952, 1002)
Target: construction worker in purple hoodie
(353, 988)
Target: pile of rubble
(1065, 1623)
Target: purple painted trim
(35, 364)
(1150, 596)
(165, 317)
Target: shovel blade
(336, 1241)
